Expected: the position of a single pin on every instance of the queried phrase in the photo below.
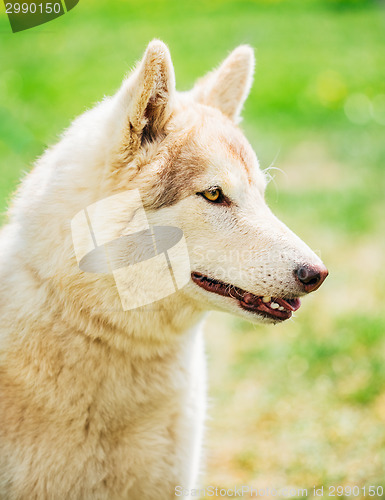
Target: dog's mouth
(270, 307)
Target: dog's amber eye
(213, 195)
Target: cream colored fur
(101, 403)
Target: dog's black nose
(311, 278)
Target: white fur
(100, 403)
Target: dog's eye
(213, 195)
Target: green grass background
(302, 403)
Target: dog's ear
(147, 95)
(228, 86)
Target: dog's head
(195, 170)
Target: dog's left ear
(146, 97)
(227, 87)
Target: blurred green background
(302, 403)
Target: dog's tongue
(291, 304)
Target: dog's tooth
(280, 308)
(274, 305)
(266, 299)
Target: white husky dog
(98, 402)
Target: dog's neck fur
(143, 333)
(159, 330)
(110, 347)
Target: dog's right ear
(146, 97)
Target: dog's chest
(105, 428)
(143, 432)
